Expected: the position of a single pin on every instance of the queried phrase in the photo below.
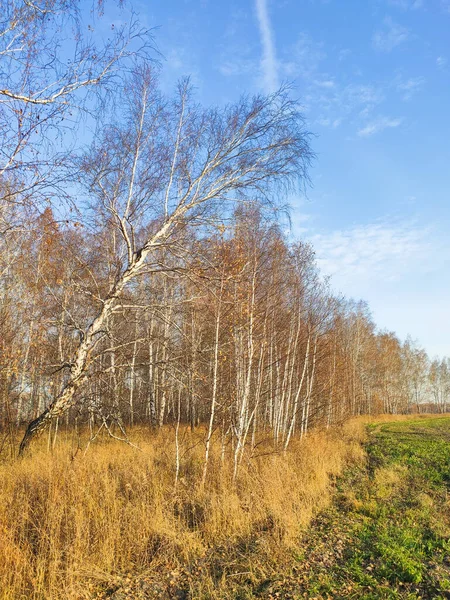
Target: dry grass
(385, 418)
(70, 524)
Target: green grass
(387, 534)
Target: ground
(385, 535)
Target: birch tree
(54, 73)
(168, 165)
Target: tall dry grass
(72, 522)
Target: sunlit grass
(75, 522)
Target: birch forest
(146, 274)
(233, 329)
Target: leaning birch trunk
(81, 360)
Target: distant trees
(439, 377)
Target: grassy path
(387, 534)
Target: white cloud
(175, 59)
(334, 101)
(366, 97)
(390, 35)
(347, 102)
(233, 67)
(325, 122)
(326, 83)
(303, 58)
(300, 223)
(441, 62)
(344, 53)
(407, 4)
(369, 252)
(330, 100)
(410, 87)
(379, 125)
(269, 59)
(400, 268)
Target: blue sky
(373, 77)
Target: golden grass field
(72, 521)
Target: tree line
(235, 330)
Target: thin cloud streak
(376, 251)
(379, 125)
(390, 35)
(269, 59)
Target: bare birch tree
(170, 165)
(53, 73)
